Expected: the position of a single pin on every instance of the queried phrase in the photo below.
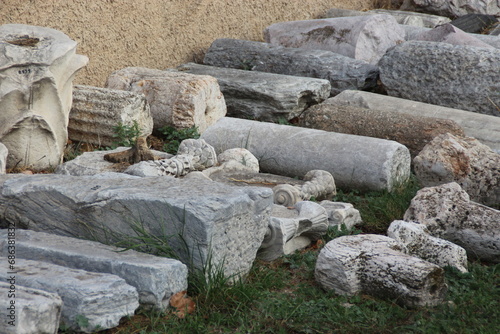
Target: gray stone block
(263, 96)
(355, 162)
(202, 220)
(455, 76)
(26, 310)
(3, 158)
(342, 72)
(453, 8)
(91, 301)
(155, 278)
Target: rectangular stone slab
(200, 219)
(102, 299)
(342, 72)
(155, 278)
(263, 96)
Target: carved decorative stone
(377, 265)
(293, 228)
(419, 242)
(242, 155)
(96, 111)
(448, 213)
(37, 67)
(181, 100)
(340, 213)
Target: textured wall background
(157, 33)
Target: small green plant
(173, 137)
(126, 135)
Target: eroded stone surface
(3, 158)
(448, 213)
(340, 213)
(474, 166)
(453, 8)
(448, 33)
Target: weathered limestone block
(342, 72)
(37, 67)
(420, 243)
(181, 100)
(263, 96)
(155, 278)
(454, 76)
(34, 311)
(448, 213)
(293, 229)
(340, 213)
(92, 163)
(96, 111)
(3, 158)
(355, 162)
(485, 128)
(474, 166)
(402, 17)
(448, 33)
(453, 8)
(201, 219)
(391, 125)
(364, 38)
(376, 265)
(102, 299)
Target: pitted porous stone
(181, 100)
(377, 265)
(340, 213)
(364, 38)
(34, 311)
(420, 243)
(474, 166)
(102, 299)
(241, 155)
(448, 213)
(155, 278)
(455, 76)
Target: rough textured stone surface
(201, 219)
(95, 113)
(376, 265)
(474, 166)
(34, 311)
(342, 72)
(91, 163)
(37, 67)
(102, 299)
(453, 8)
(448, 213)
(448, 33)
(291, 229)
(391, 125)
(340, 213)
(181, 100)
(402, 17)
(263, 96)
(420, 243)
(485, 128)
(3, 158)
(454, 76)
(355, 162)
(241, 155)
(364, 38)
(475, 23)
(155, 278)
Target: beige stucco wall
(157, 33)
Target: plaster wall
(158, 33)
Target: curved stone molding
(286, 195)
(320, 184)
(37, 67)
(204, 155)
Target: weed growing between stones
(126, 135)
(173, 137)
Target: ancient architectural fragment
(474, 166)
(382, 124)
(355, 162)
(418, 242)
(181, 100)
(448, 213)
(342, 72)
(263, 96)
(37, 67)
(376, 265)
(364, 38)
(97, 111)
(455, 76)
(340, 213)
